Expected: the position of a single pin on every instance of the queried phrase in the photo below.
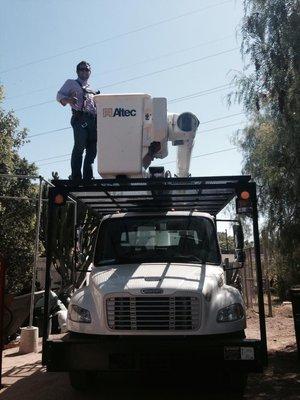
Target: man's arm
(67, 95)
(149, 157)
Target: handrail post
(2, 289)
(36, 251)
(261, 305)
(50, 233)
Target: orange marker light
(245, 195)
(59, 199)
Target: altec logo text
(118, 112)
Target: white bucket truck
(157, 288)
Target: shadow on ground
(280, 381)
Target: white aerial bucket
(126, 126)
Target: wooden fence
(249, 283)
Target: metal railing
(39, 200)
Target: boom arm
(181, 131)
(184, 152)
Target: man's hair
(83, 64)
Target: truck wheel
(81, 380)
(235, 382)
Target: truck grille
(153, 313)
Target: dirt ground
(281, 379)
(25, 378)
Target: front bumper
(128, 353)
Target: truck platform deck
(104, 196)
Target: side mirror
(238, 236)
(226, 264)
(231, 266)
(239, 243)
(240, 256)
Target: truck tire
(235, 382)
(81, 380)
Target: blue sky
(42, 41)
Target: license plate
(238, 353)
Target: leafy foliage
(72, 266)
(226, 242)
(269, 90)
(17, 217)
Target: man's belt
(79, 113)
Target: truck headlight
(231, 313)
(79, 314)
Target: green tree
(226, 242)
(269, 89)
(71, 268)
(17, 218)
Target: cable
(54, 162)
(142, 76)
(219, 119)
(46, 132)
(221, 127)
(206, 131)
(199, 94)
(190, 96)
(206, 154)
(68, 127)
(164, 55)
(215, 152)
(129, 65)
(120, 35)
(169, 162)
(51, 158)
(35, 105)
(171, 68)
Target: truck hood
(170, 277)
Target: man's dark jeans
(85, 138)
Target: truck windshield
(157, 239)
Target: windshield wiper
(191, 257)
(108, 261)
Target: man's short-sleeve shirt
(72, 86)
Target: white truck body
(173, 292)
(157, 287)
(204, 283)
(156, 297)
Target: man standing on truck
(77, 93)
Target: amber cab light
(245, 195)
(59, 199)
